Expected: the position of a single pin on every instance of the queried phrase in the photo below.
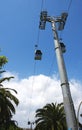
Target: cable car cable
(34, 67)
(38, 35)
(68, 9)
(42, 5)
(38, 53)
(32, 85)
(69, 6)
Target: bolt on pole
(67, 99)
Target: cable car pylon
(59, 49)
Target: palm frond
(6, 78)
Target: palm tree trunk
(52, 127)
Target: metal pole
(31, 126)
(67, 99)
(78, 114)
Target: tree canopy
(51, 117)
(7, 100)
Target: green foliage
(7, 108)
(51, 117)
(7, 101)
(11, 127)
(3, 61)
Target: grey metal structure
(78, 114)
(67, 99)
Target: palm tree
(7, 108)
(3, 61)
(7, 99)
(51, 117)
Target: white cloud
(35, 91)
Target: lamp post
(78, 114)
(30, 123)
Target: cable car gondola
(38, 55)
(63, 47)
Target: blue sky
(19, 31)
(19, 21)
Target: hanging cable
(69, 6)
(42, 5)
(38, 35)
(68, 9)
(29, 112)
(47, 80)
(38, 28)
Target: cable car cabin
(38, 55)
(63, 47)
